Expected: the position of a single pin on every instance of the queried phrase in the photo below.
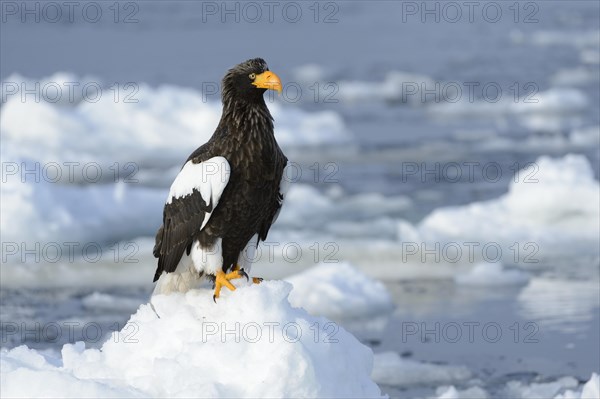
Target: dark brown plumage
(251, 199)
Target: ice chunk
(339, 291)
(251, 343)
(492, 274)
(390, 369)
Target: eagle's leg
(222, 279)
(255, 280)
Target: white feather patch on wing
(209, 177)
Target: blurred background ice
(442, 209)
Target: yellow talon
(255, 280)
(222, 279)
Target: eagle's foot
(223, 280)
(255, 280)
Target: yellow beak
(268, 80)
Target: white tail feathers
(177, 282)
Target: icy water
(355, 55)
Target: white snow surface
(201, 349)
(492, 274)
(339, 291)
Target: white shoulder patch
(209, 177)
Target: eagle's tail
(177, 282)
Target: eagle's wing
(192, 198)
(284, 185)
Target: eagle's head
(248, 81)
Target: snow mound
(197, 348)
(492, 274)
(339, 291)
(390, 369)
(552, 204)
(21, 366)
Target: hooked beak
(268, 80)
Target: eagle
(228, 193)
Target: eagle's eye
(252, 76)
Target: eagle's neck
(249, 120)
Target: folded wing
(193, 196)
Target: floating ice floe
(562, 388)
(197, 348)
(38, 213)
(339, 291)
(309, 73)
(306, 207)
(100, 301)
(398, 86)
(580, 39)
(492, 274)
(551, 208)
(591, 389)
(576, 76)
(156, 126)
(469, 393)
(554, 101)
(553, 110)
(519, 390)
(390, 369)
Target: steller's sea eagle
(228, 193)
